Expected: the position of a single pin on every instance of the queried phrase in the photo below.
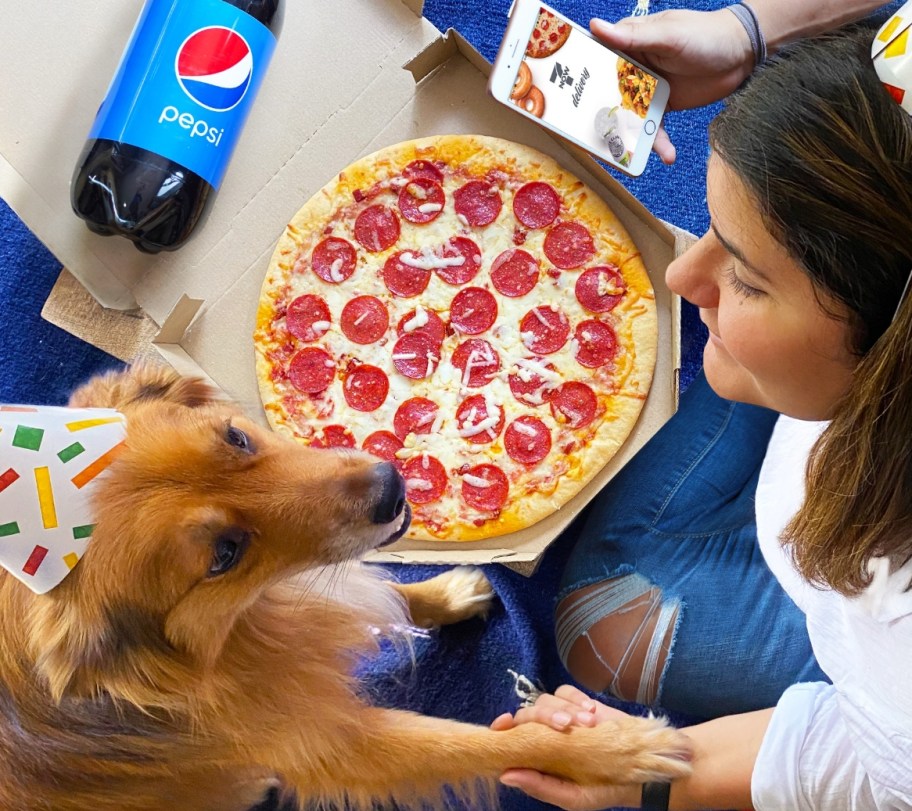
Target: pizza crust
(622, 388)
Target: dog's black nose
(392, 493)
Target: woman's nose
(695, 274)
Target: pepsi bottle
(166, 129)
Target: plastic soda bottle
(164, 133)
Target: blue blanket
(464, 672)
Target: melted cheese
(447, 387)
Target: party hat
(892, 56)
(50, 461)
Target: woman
(667, 598)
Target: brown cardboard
(445, 94)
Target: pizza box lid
(195, 307)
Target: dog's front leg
(407, 757)
(453, 596)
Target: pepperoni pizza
(467, 309)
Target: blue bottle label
(186, 83)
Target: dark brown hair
(827, 155)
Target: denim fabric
(681, 514)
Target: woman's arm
(724, 752)
(705, 55)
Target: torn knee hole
(615, 636)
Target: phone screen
(579, 87)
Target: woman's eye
(238, 439)
(740, 287)
(227, 550)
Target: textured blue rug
(462, 672)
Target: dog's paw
(468, 592)
(456, 595)
(663, 753)
(633, 750)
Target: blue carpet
(461, 672)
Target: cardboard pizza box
(335, 92)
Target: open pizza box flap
(195, 308)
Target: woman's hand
(704, 55)
(565, 708)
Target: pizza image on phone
(548, 36)
(556, 72)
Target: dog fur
(142, 682)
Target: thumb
(544, 787)
(632, 36)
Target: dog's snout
(391, 485)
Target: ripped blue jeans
(666, 599)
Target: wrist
(730, 30)
(745, 14)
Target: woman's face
(770, 342)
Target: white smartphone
(553, 71)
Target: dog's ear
(141, 383)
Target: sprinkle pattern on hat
(50, 460)
(892, 57)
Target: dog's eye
(238, 439)
(227, 550)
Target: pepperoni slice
(544, 330)
(489, 497)
(333, 260)
(307, 317)
(514, 273)
(366, 387)
(527, 440)
(425, 479)
(465, 272)
(416, 356)
(471, 414)
(528, 387)
(364, 320)
(574, 404)
(597, 343)
(481, 360)
(478, 202)
(421, 200)
(536, 205)
(311, 370)
(599, 289)
(569, 245)
(434, 327)
(402, 279)
(334, 436)
(423, 169)
(383, 445)
(473, 310)
(377, 228)
(415, 416)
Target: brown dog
(201, 648)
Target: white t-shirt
(848, 745)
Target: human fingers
(600, 711)
(555, 712)
(503, 722)
(553, 790)
(664, 148)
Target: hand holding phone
(553, 71)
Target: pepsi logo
(214, 67)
